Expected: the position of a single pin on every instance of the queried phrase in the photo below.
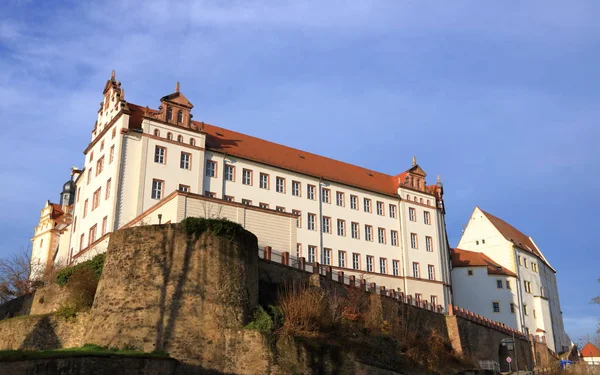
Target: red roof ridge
(466, 258)
(590, 350)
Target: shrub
(96, 264)
(219, 227)
(264, 322)
(67, 311)
(305, 310)
(82, 287)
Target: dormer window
(169, 114)
(180, 138)
(192, 141)
(157, 132)
(169, 136)
(179, 117)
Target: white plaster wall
(476, 293)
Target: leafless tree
(15, 272)
(597, 298)
(212, 211)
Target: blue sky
(500, 98)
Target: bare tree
(15, 273)
(597, 298)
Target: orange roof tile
(464, 258)
(513, 234)
(57, 211)
(589, 350)
(265, 152)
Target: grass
(84, 351)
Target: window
(99, 165)
(310, 192)
(312, 251)
(89, 176)
(339, 198)
(382, 265)
(179, 117)
(114, 133)
(184, 188)
(499, 284)
(102, 145)
(247, 177)
(428, 243)
(180, 138)
(157, 189)
(512, 308)
(210, 194)
(298, 218)
(507, 284)
(367, 204)
(395, 267)
(326, 224)
(415, 269)
(263, 205)
(426, 217)
(170, 136)
(342, 259)
(355, 261)
(92, 236)
(341, 227)
(394, 238)
(229, 172)
(381, 235)
(263, 181)
(534, 314)
(413, 241)
(211, 168)
(311, 221)
(169, 114)
(280, 184)
(412, 214)
(496, 307)
(111, 154)
(527, 285)
(229, 198)
(368, 233)
(185, 162)
(75, 224)
(81, 241)
(483, 241)
(108, 185)
(327, 256)
(431, 272)
(104, 225)
(393, 211)
(433, 300)
(418, 297)
(525, 310)
(298, 250)
(369, 263)
(96, 199)
(247, 202)
(85, 207)
(525, 263)
(354, 228)
(354, 202)
(469, 272)
(160, 154)
(296, 188)
(325, 195)
(192, 141)
(542, 291)
(91, 156)
(78, 194)
(520, 261)
(280, 209)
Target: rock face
(162, 289)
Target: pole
(320, 198)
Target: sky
(500, 98)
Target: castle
(150, 166)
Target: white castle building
(145, 166)
(500, 273)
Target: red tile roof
(255, 149)
(464, 258)
(513, 234)
(57, 211)
(589, 350)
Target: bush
(261, 321)
(82, 287)
(305, 310)
(219, 227)
(96, 264)
(67, 311)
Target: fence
(300, 263)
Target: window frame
(247, 177)
(158, 192)
(211, 166)
(186, 164)
(296, 192)
(414, 244)
(158, 157)
(279, 183)
(229, 168)
(264, 181)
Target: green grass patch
(219, 227)
(85, 350)
(96, 264)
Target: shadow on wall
(42, 336)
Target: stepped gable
(589, 350)
(464, 258)
(513, 235)
(255, 149)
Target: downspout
(401, 239)
(319, 196)
(519, 290)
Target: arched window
(192, 141)
(169, 136)
(179, 138)
(157, 132)
(179, 117)
(428, 202)
(421, 200)
(407, 197)
(415, 199)
(169, 114)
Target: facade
(388, 229)
(535, 292)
